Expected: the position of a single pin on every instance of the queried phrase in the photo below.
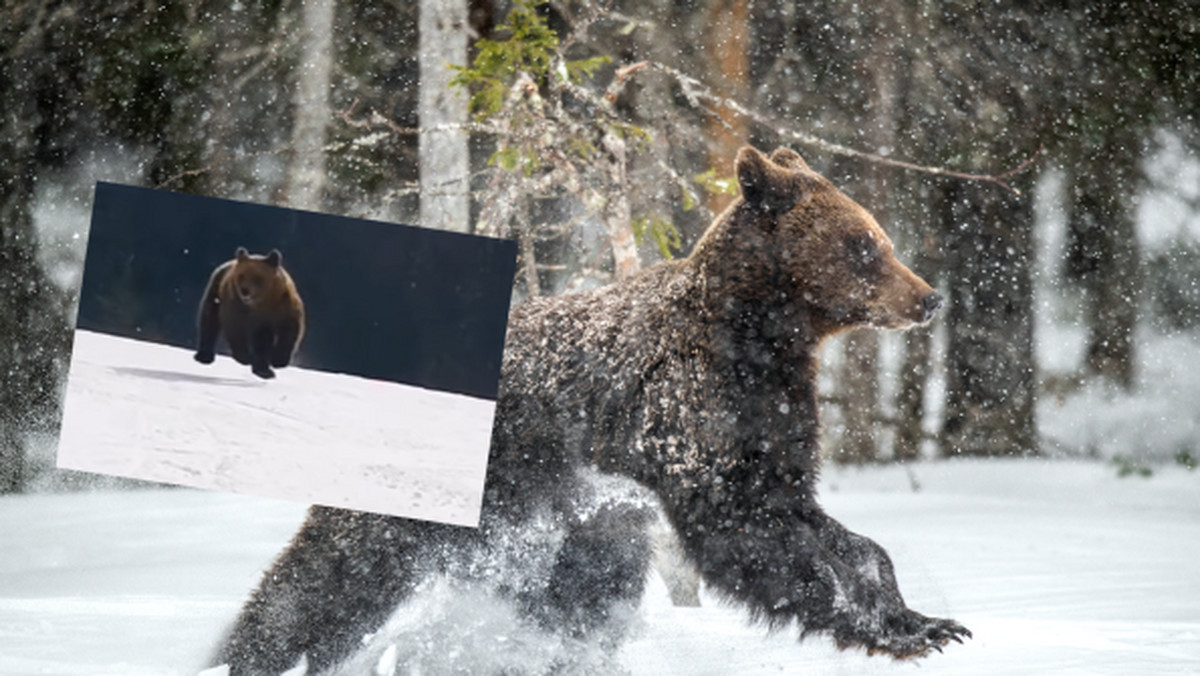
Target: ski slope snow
(148, 411)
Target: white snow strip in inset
(148, 411)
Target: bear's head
(825, 249)
(256, 278)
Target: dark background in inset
(384, 301)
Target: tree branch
(696, 93)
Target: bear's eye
(863, 254)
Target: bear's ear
(768, 186)
(786, 157)
(274, 259)
(241, 254)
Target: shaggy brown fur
(696, 379)
(254, 303)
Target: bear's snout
(932, 303)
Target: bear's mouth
(883, 319)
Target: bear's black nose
(932, 303)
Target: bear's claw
(919, 636)
(938, 633)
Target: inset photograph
(289, 354)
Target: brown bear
(254, 303)
(696, 380)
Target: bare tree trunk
(915, 237)
(990, 363)
(922, 256)
(859, 382)
(232, 83)
(443, 152)
(1103, 252)
(725, 44)
(18, 266)
(858, 387)
(526, 238)
(305, 183)
(910, 397)
(617, 219)
(34, 333)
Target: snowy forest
(1037, 162)
(951, 122)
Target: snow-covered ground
(1057, 566)
(148, 411)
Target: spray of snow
(454, 627)
(465, 621)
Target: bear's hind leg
(598, 576)
(339, 579)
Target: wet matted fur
(696, 379)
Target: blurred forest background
(1010, 148)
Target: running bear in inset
(696, 379)
(254, 303)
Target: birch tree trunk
(617, 218)
(443, 152)
(859, 382)
(305, 182)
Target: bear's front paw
(205, 357)
(264, 372)
(911, 634)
